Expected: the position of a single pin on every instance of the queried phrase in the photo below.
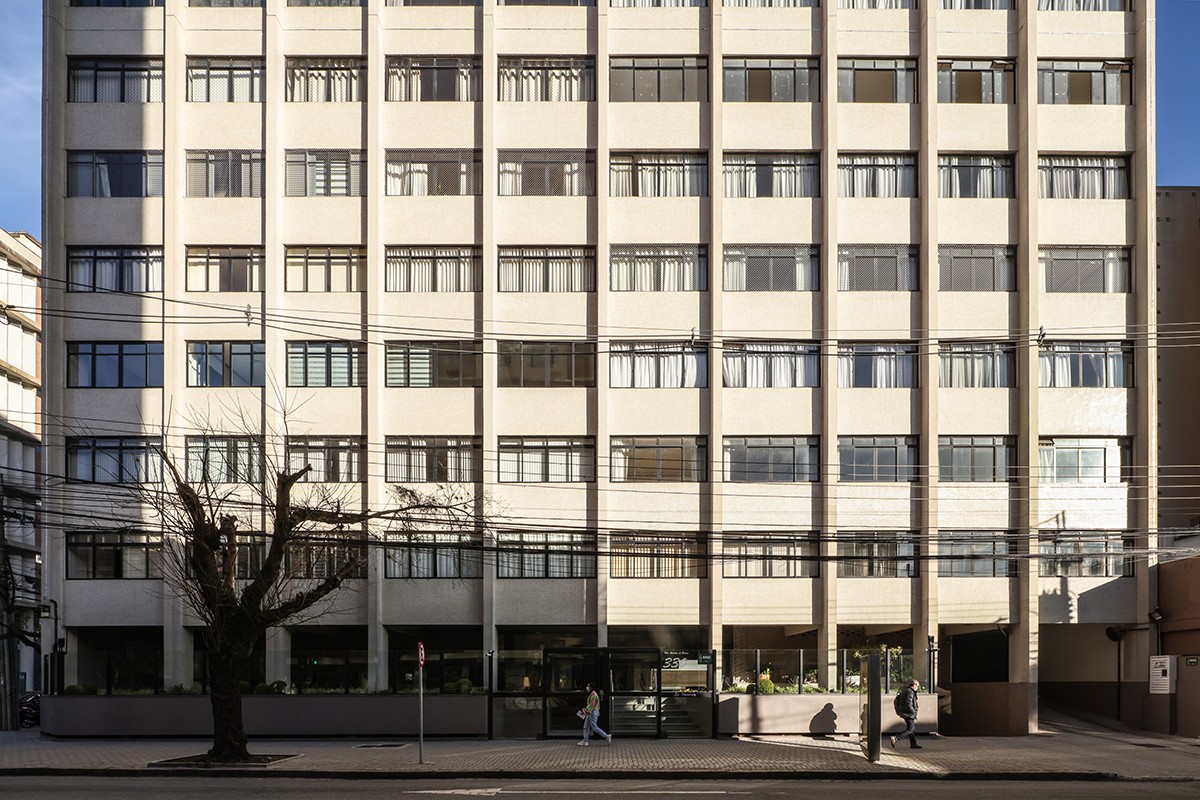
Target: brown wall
(817, 714)
(984, 709)
(1179, 601)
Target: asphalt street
(199, 788)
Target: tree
(204, 553)
(12, 627)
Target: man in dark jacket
(906, 704)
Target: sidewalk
(1066, 750)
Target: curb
(619, 775)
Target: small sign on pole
(420, 702)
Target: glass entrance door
(634, 692)
(567, 673)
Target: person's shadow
(824, 722)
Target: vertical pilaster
(600, 333)
(716, 324)
(485, 324)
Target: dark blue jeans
(910, 730)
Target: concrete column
(716, 323)
(278, 646)
(599, 334)
(485, 319)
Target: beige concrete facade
(1068, 610)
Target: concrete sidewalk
(1066, 750)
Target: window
(317, 364)
(865, 80)
(224, 459)
(325, 80)
(771, 556)
(112, 459)
(588, 3)
(114, 269)
(773, 459)
(877, 554)
(771, 80)
(227, 363)
(968, 268)
(333, 459)
(877, 268)
(658, 80)
(434, 364)
(547, 269)
(772, 175)
(1084, 177)
(777, 365)
(979, 5)
(547, 460)
(546, 364)
(770, 3)
(876, 3)
(658, 175)
(225, 3)
(433, 269)
(877, 175)
(433, 555)
(976, 176)
(1084, 460)
(977, 365)
(422, 173)
(772, 268)
(975, 81)
(1094, 365)
(877, 459)
(547, 173)
(658, 268)
(326, 173)
(661, 459)
(532, 79)
(225, 80)
(655, 554)
(1081, 5)
(659, 3)
(113, 555)
(432, 3)
(113, 365)
(974, 554)
(434, 459)
(224, 269)
(224, 173)
(118, 3)
(877, 366)
(657, 365)
(114, 173)
(538, 554)
(1085, 82)
(115, 80)
(1084, 554)
(1086, 269)
(326, 3)
(976, 459)
(429, 79)
(334, 554)
(324, 269)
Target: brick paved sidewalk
(1064, 750)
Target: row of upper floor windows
(632, 364)
(573, 459)
(632, 268)
(998, 5)
(573, 79)
(572, 173)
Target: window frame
(581, 357)
(532, 459)
(84, 364)
(803, 466)
(692, 461)
(901, 467)
(1001, 467)
(306, 351)
(148, 261)
(250, 355)
(435, 452)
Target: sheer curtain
(407, 178)
(874, 3)
(1081, 5)
(659, 175)
(770, 3)
(1083, 178)
(975, 366)
(648, 365)
(657, 268)
(974, 176)
(758, 365)
(883, 366)
(877, 175)
(510, 178)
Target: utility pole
(8, 627)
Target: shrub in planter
(766, 686)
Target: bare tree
(206, 537)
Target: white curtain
(770, 3)
(1081, 5)
(665, 268)
(882, 366)
(1083, 178)
(662, 365)
(510, 178)
(659, 175)
(975, 366)
(403, 82)
(407, 178)
(658, 3)
(974, 176)
(877, 176)
(776, 365)
(874, 3)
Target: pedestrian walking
(591, 716)
(906, 705)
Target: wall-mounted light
(1156, 616)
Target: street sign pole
(420, 702)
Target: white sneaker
(582, 744)
(610, 738)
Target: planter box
(815, 714)
(266, 716)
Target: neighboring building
(783, 331)
(20, 439)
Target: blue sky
(20, 94)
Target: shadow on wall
(824, 722)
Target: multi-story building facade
(20, 449)
(757, 327)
